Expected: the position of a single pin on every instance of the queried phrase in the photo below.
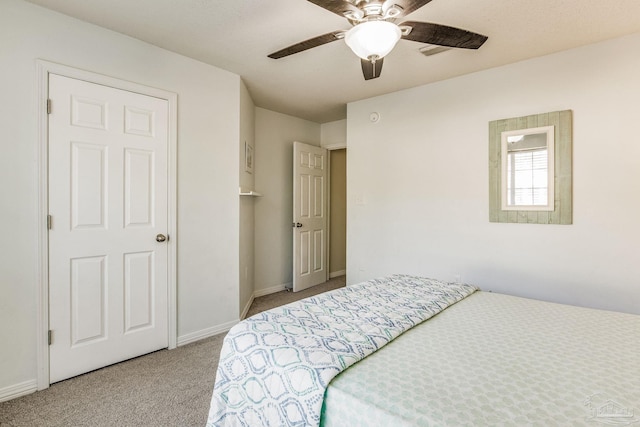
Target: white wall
(208, 135)
(334, 133)
(247, 183)
(275, 134)
(418, 181)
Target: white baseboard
(247, 307)
(337, 273)
(18, 390)
(271, 290)
(219, 329)
(28, 387)
(206, 333)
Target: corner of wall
(247, 182)
(333, 134)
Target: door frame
(44, 68)
(330, 148)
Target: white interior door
(309, 216)
(108, 280)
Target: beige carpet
(165, 388)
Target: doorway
(104, 297)
(337, 212)
(319, 214)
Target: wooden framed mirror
(530, 168)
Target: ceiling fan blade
(308, 44)
(442, 35)
(340, 7)
(371, 70)
(406, 6)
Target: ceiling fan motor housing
(372, 10)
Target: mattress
(493, 359)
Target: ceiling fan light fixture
(373, 39)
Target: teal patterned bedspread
(275, 366)
(498, 360)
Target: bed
(429, 353)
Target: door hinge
(48, 106)
(50, 337)
(49, 222)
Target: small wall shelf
(250, 193)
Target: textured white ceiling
(237, 35)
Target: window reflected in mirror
(527, 169)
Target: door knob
(297, 224)
(161, 238)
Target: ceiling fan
(375, 32)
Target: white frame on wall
(549, 132)
(249, 158)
